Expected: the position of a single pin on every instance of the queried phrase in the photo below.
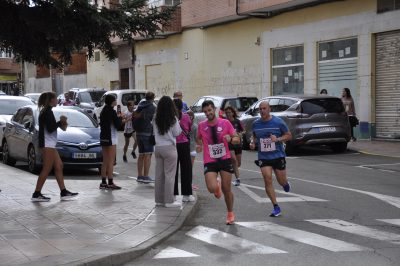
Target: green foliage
(37, 29)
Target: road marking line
(395, 201)
(379, 164)
(301, 236)
(257, 198)
(358, 229)
(115, 173)
(391, 221)
(171, 252)
(230, 242)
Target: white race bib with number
(267, 145)
(217, 150)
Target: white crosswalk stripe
(230, 242)
(303, 236)
(171, 252)
(390, 221)
(357, 229)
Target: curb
(374, 154)
(123, 257)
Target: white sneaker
(175, 204)
(189, 198)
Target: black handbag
(353, 120)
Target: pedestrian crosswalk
(237, 244)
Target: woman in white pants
(166, 128)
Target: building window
(6, 53)
(97, 56)
(288, 70)
(387, 5)
(337, 66)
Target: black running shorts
(278, 163)
(216, 167)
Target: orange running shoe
(218, 193)
(230, 218)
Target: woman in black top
(47, 142)
(236, 150)
(109, 124)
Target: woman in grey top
(166, 128)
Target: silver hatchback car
(312, 120)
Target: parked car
(2, 93)
(123, 96)
(241, 104)
(86, 98)
(78, 146)
(33, 96)
(8, 106)
(312, 120)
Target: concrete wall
(101, 73)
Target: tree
(36, 30)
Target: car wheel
(6, 155)
(32, 165)
(290, 149)
(339, 147)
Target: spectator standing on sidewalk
(179, 95)
(129, 132)
(47, 142)
(235, 150)
(184, 160)
(109, 123)
(142, 123)
(348, 104)
(166, 128)
(323, 92)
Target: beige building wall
(101, 73)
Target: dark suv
(240, 103)
(86, 98)
(312, 120)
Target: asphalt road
(333, 217)
(344, 209)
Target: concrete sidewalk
(97, 228)
(389, 148)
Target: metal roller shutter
(388, 84)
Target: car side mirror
(28, 125)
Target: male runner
(270, 132)
(216, 134)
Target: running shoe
(113, 187)
(189, 198)
(218, 193)
(236, 182)
(140, 179)
(38, 197)
(103, 186)
(67, 195)
(133, 154)
(124, 159)
(230, 218)
(276, 212)
(147, 179)
(286, 187)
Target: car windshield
(315, 106)
(75, 118)
(96, 95)
(10, 106)
(240, 104)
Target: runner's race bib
(267, 145)
(217, 150)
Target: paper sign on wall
(341, 53)
(290, 73)
(296, 75)
(286, 80)
(347, 50)
(275, 78)
(324, 54)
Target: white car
(8, 106)
(33, 96)
(123, 96)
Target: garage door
(388, 85)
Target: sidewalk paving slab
(390, 148)
(97, 228)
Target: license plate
(84, 155)
(327, 129)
